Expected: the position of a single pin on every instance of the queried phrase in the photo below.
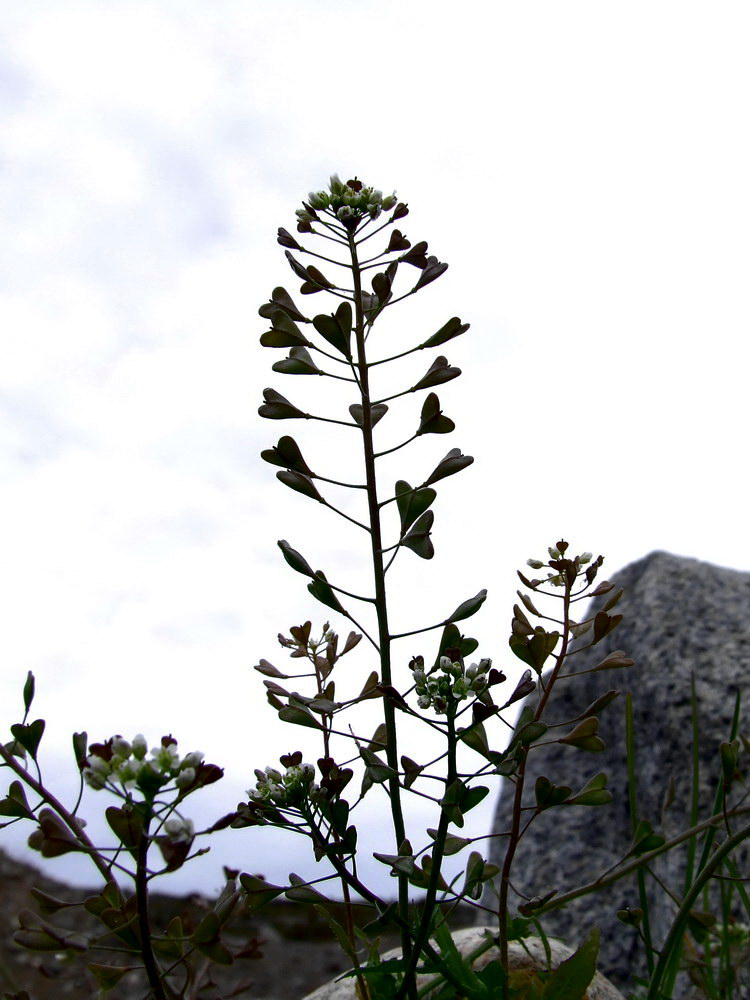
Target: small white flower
(424, 701)
(185, 778)
(178, 829)
(389, 202)
(445, 664)
(93, 779)
(121, 747)
(98, 765)
(191, 759)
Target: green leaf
(453, 462)
(451, 639)
(29, 736)
(80, 742)
(412, 770)
(571, 979)
(468, 608)
(336, 330)
(28, 691)
(16, 804)
(338, 932)
(287, 454)
(298, 716)
(601, 703)
(281, 300)
(321, 591)
(433, 270)
(295, 560)
(259, 892)
(378, 769)
(299, 362)
(301, 892)
(127, 825)
(206, 938)
(438, 372)
(432, 419)
(377, 412)
(453, 328)
(417, 537)
(277, 407)
(108, 976)
(301, 483)
(412, 503)
(471, 797)
(603, 625)
(644, 840)
(49, 904)
(452, 844)
(548, 795)
(529, 734)
(602, 797)
(583, 736)
(283, 333)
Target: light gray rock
(682, 618)
(467, 940)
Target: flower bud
(335, 184)
(121, 747)
(534, 563)
(93, 779)
(185, 778)
(389, 202)
(318, 199)
(424, 701)
(585, 557)
(553, 552)
(178, 829)
(445, 664)
(139, 746)
(191, 759)
(98, 765)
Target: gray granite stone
(683, 618)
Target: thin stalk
(160, 989)
(515, 829)
(68, 818)
(381, 605)
(633, 804)
(437, 861)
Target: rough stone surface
(682, 618)
(466, 940)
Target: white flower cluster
(288, 789)
(130, 767)
(450, 683)
(349, 201)
(554, 553)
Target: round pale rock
(467, 940)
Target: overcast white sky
(583, 168)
